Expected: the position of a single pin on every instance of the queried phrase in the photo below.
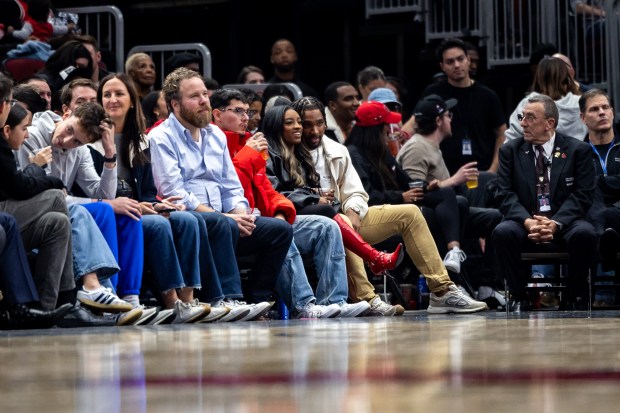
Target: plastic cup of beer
(472, 181)
(393, 141)
(416, 183)
(265, 154)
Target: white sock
(132, 299)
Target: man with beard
(378, 222)
(545, 186)
(283, 59)
(190, 160)
(341, 102)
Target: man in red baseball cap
(377, 223)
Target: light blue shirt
(197, 172)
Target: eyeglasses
(240, 111)
(11, 102)
(527, 118)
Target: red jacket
(257, 188)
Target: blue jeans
(90, 250)
(319, 237)
(171, 250)
(218, 263)
(124, 237)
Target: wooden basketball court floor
(486, 362)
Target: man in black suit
(544, 197)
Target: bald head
(569, 64)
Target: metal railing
(106, 24)
(450, 18)
(259, 88)
(160, 52)
(375, 7)
(512, 29)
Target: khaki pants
(384, 221)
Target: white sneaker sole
(235, 314)
(215, 314)
(357, 312)
(163, 317)
(257, 311)
(446, 310)
(148, 314)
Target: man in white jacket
(377, 223)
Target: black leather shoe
(80, 316)
(23, 317)
(609, 246)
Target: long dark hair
(369, 141)
(16, 115)
(298, 163)
(133, 130)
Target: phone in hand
(166, 211)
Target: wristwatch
(111, 160)
(355, 209)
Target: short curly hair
(172, 83)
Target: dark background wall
(333, 39)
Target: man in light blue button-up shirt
(190, 160)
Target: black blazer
(572, 180)
(20, 185)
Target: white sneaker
(453, 260)
(354, 310)
(256, 310)
(189, 312)
(216, 313)
(148, 314)
(329, 311)
(383, 309)
(163, 317)
(454, 301)
(312, 310)
(237, 311)
(128, 317)
(103, 299)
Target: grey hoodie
(70, 165)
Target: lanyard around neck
(600, 158)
